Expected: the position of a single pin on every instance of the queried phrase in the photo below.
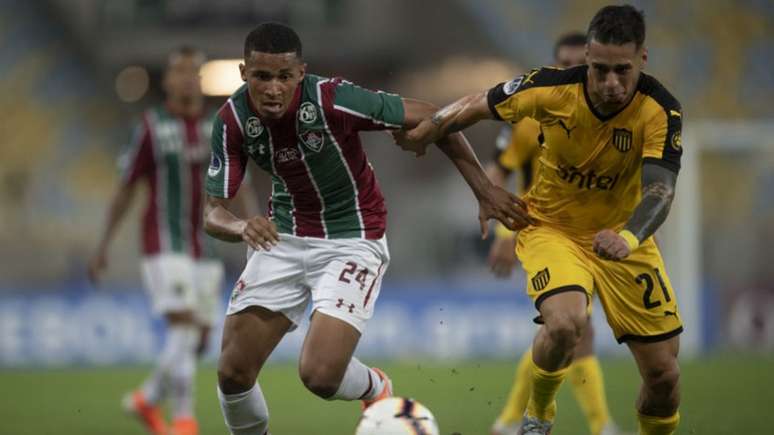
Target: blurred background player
(169, 153)
(324, 241)
(518, 150)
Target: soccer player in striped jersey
(609, 165)
(169, 153)
(518, 151)
(324, 239)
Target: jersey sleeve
(519, 98)
(227, 159)
(137, 161)
(364, 109)
(662, 143)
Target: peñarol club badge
(314, 140)
(622, 139)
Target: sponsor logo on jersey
(253, 128)
(215, 166)
(286, 155)
(622, 139)
(676, 141)
(314, 140)
(307, 113)
(588, 180)
(541, 279)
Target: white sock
(360, 383)
(245, 413)
(183, 370)
(174, 370)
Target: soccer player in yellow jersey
(606, 182)
(518, 150)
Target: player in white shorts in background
(169, 154)
(324, 239)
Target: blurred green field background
(727, 394)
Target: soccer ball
(397, 416)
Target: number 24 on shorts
(349, 270)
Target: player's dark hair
(618, 25)
(570, 39)
(272, 38)
(187, 51)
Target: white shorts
(209, 282)
(170, 282)
(341, 277)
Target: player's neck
(185, 107)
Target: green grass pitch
(721, 395)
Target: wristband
(630, 238)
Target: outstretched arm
(455, 117)
(119, 205)
(494, 202)
(658, 191)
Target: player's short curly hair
(570, 39)
(618, 25)
(272, 38)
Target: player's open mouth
(272, 107)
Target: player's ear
(302, 71)
(243, 72)
(644, 56)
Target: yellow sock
(545, 385)
(650, 425)
(585, 375)
(519, 394)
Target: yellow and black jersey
(590, 164)
(518, 149)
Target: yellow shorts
(636, 294)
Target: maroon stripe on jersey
(151, 239)
(306, 202)
(193, 143)
(236, 158)
(370, 200)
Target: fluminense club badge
(314, 140)
(253, 128)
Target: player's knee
(565, 329)
(322, 380)
(663, 383)
(235, 378)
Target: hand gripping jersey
(322, 183)
(589, 176)
(170, 154)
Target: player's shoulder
(237, 105)
(651, 87)
(546, 76)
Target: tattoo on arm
(658, 191)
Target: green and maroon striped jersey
(169, 153)
(322, 183)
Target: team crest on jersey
(253, 128)
(307, 113)
(677, 142)
(314, 140)
(622, 139)
(215, 166)
(541, 279)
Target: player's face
(570, 55)
(272, 79)
(182, 79)
(613, 73)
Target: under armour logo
(340, 304)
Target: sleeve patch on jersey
(676, 142)
(215, 166)
(512, 86)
